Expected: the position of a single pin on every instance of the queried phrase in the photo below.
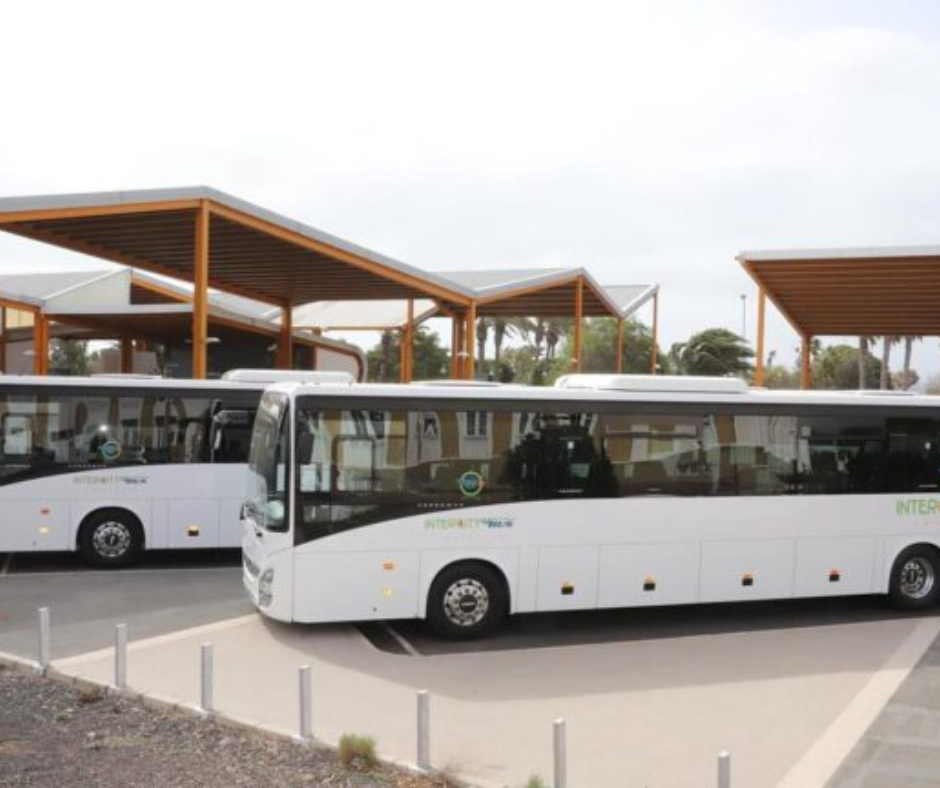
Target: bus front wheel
(467, 601)
(111, 538)
(915, 578)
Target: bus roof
(670, 389)
(135, 382)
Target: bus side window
(230, 436)
(17, 434)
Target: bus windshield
(267, 463)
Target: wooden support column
(619, 366)
(470, 344)
(408, 340)
(805, 368)
(40, 344)
(653, 350)
(456, 321)
(578, 320)
(3, 339)
(127, 355)
(759, 350)
(402, 356)
(201, 294)
(285, 342)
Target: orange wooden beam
(455, 323)
(201, 294)
(40, 345)
(805, 368)
(407, 340)
(578, 321)
(470, 344)
(127, 355)
(3, 339)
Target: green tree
(837, 367)
(599, 346)
(431, 361)
(69, 357)
(714, 351)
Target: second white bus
(111, 466)
(462, 504)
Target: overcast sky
(646, 141)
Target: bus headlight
(266, 587)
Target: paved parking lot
(166, 592)
(788, 686)
(548, 630)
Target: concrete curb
(171, 706)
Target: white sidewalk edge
(820, 762)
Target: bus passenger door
(229, 442)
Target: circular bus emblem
(110, 451)
(470, 483)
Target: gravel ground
(53, 733)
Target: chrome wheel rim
(111, 539)
(917, 578)
(466, 602)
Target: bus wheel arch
(111, 537)
(467, 599)
(914, 582)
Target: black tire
(915, 578)
(111, 538)
(467, 601)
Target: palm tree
(862, 360)
(714, 351)
(503, 328)
(538, 336)
(886, 344)
(906, 369)
(483, 333)
(556, 330)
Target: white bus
(113, 465)
(462, 504)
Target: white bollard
(724, 769)
(306, 703)
(561, 755)
(45, 644)
(206, 700)
(120, 656)
(424, 731)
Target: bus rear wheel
(467, 601)
(111, 538)
(915, 578)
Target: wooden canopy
(847, 292)
(212, 239)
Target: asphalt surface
(173, 590)
(548, 630)
(902, 746)
(166, 592)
